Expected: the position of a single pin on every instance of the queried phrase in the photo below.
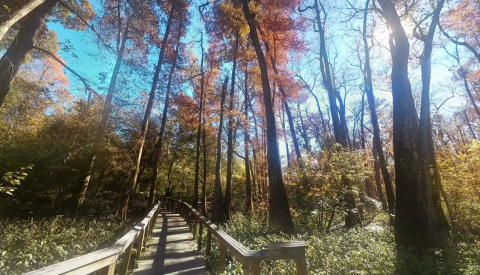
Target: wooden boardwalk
(171, 250)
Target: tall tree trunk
(285, 137)
(107, 110)
(228, 187)
(158, 145)
(21, 45)
(287, 108)
(219, 214)
(382, 163)
(279, 212)
(199, 129)
(204, 183)
(146, 117)
(368, 180)
(425, 118)
(415, 220)
(249, 200)
(352, 218)
(18, 14)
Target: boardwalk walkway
(171, 250)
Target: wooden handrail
(105, 259)
(248, 258)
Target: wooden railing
(248, 258)
(106, 259)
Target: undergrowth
(369, 250)
(29, 245)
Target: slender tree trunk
(425, 118)
(285, 137)
(204, 183)
(199, 129)
(219, 214)
(279, 212)
(228, 187)
(249, 200)
(352, 218)
(368, 180)
(158, 145)
(378, 179)
(306, 139)
(469, 125)
(21, 45)
(107, 110)
(381, 161)
(287, 108)
(146, 117)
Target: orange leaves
(186, 109)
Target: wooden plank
(139, 244)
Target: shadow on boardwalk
(171, 249)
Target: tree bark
(107, 110)
(158, 145)
(18, 14)
(415, 221)
(146, 117)
(249, 201)
(228, 187)
(21, 45)
(425, 118)
(285, 137)
(219, 214)
(279, 212)
(199, 129)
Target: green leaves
(11, 179)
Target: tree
(146, 119)
(415, 221)
(352, 218)
(279, 214)
(219, 214)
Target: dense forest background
(349, 124)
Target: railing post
(140, 244)
(194, 225)
(209, 242)
(256, 268)
(145, 234)
(246, 269)
(108, 270)
(221, 260)
(301, 266)
(200, 231)
(126, 259)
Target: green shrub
(27, 245)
